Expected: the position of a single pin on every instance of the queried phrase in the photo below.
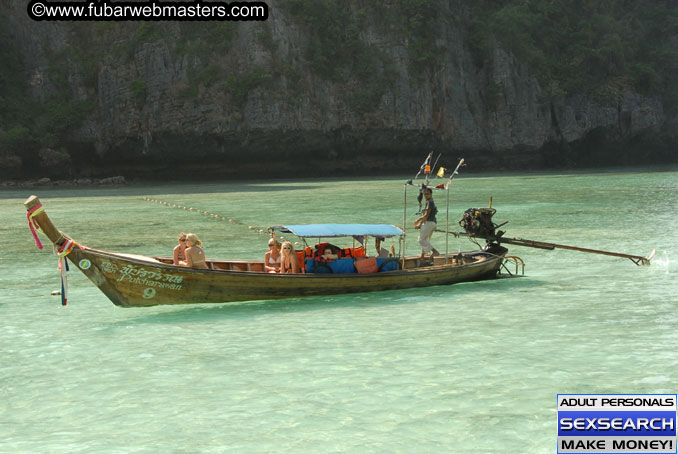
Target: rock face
(249, 100)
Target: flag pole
(447, 221)
(435, 164)
(404, 224)
(456, 171)
(447, 225)
(427, 160)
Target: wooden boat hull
(133, 281)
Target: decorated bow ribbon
(30, 214)
(63, 267)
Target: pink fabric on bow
(31, 223)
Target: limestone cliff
(170, 98)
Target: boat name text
(139, 275)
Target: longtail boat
(133, 280)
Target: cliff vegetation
(358, 85)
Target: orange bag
(366, 266)
(359, 252)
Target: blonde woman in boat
(195, 255)
(272, 257)
(180, 250)
(288, 262)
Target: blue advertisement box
(616, 423)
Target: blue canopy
(337, 230)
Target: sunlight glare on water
(469, 368)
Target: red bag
(366, 266)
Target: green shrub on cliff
(593, 48)
(238, 87)
(14, 83)
(15, 137)
(338, 51)
(139, 92)
(334, 36)
(28, 123)
(416, 22)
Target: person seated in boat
(288, 262)
(195, 255)
(180, 250)
(272, 257)
(328, 255)
(380, 252)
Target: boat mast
(447, 221)
(404, 235)
(447, 224)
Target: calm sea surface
(468, 368)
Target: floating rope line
(215, 216)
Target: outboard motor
(477, 222)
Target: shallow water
(469, 368)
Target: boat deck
(257, 266)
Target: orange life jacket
(301, 261)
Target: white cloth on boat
(425, 233)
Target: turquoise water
(469, 368)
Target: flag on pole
(441, 172)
